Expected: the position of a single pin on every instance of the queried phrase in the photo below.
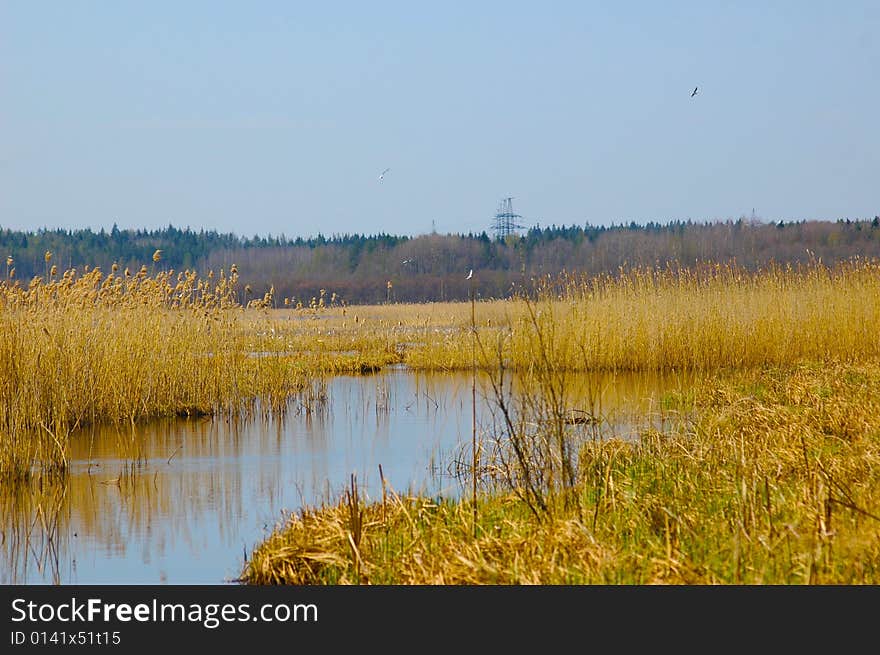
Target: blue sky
(278, 117)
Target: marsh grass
(84, 348)
(772, 487)
(706, 318)
(713, 317)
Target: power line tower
(505, 222)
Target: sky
(277, 118)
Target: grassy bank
(774, 481)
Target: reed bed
(80, 348)
(774, 481)
(703, 319)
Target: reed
(716, 317)
(82, 348)
(704, 318)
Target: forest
(381, 268)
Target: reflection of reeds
(35, 517)
(383, 398)
(125, 509)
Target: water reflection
(201, 493)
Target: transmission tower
(505, 222)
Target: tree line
(361, 268)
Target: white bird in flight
(470, 274)
(382, 174)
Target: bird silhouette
(695, 91)
(382, 174)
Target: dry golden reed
(85, 348)
(703, 319)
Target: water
(204, 492)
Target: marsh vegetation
(81, 348)
(762, 467)
(771, 478)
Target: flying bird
(694, 91)
(382, 174)
(470, 274)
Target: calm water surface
(205, 491)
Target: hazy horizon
(272, 118)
